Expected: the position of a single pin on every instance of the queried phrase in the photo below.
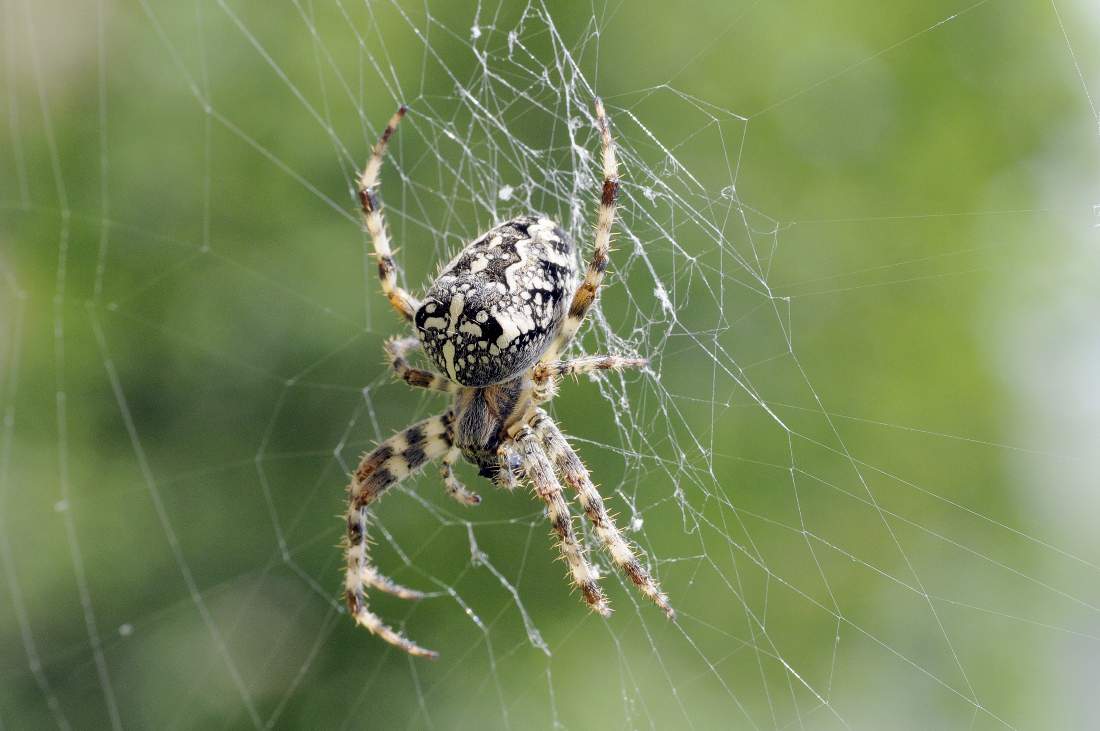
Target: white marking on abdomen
(478, 264)
(449, 359)
(457, 302)
(513, 323)
(435, 323)
(511, 273)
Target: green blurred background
(858, 243)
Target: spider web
(861, 461)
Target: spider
(494, 322)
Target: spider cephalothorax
(494, 321)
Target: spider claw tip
(417, 651)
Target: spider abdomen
(495, 308)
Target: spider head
(503, 469)
(489, 470)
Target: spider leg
(546, 375)
(396, 348)
(585, 364)
(451, 484)
(510, 464)
(388, 464)
(540, 472)
(372, 577)
(576, 476)
(593, 277)
(367, 185)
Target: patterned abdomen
(495, 308)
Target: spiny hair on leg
(375, 224)
(388, 464)
(576, 476)
(541, 474)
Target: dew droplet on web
(636, 523)
(535, 638)
(475, 32)
(505, 193)
(125, 630)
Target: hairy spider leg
(405, 304)
(545, 376)
(451, 484)
(605, 219)
(576, 476)
(537, 468)
(392, 461)
(396, 348)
